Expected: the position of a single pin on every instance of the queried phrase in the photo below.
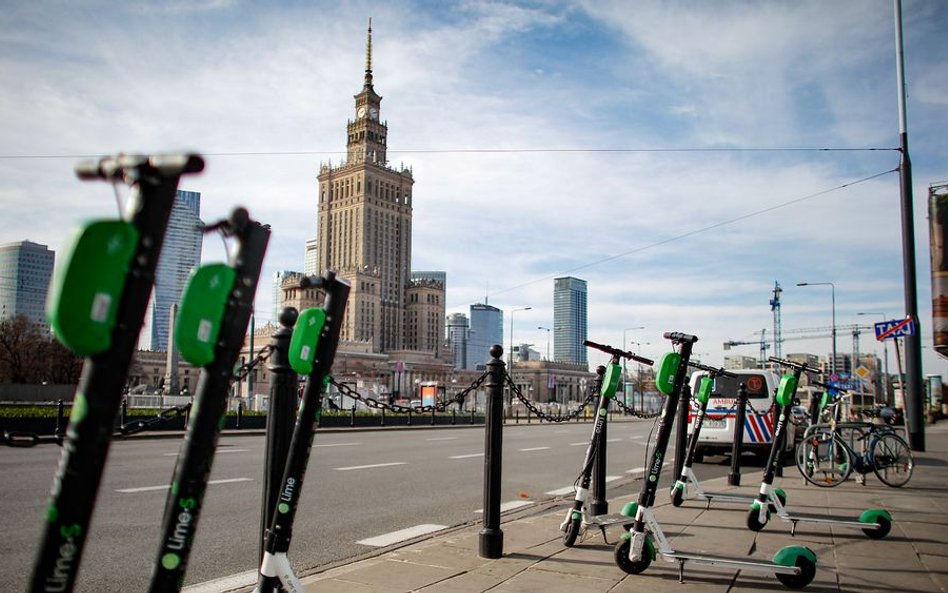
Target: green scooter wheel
(781, 496)
(622, 555)
(571, 531)
(753, 519)
(802, 558)
(885, 526)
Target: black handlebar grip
(679, 337)
(715, 372)
(617, 352)
(115, 167)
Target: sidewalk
(912, 558)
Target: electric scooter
(96, 304)
(679, 491)
(577, 520)
(311, 353)
(794, 566)
(875, 523)
(212, 322)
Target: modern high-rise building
(311, 257)
(569, 320)
(364, 231)
(180, 254)
(487, 329)
(25, 271)
(458, 330)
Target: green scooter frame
(875, 523)
(577, 520)
(794, 566)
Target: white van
(717, 430)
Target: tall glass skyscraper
(181, 253)
(25, 270)
(487, 329)
(458, 330)
(569, 320)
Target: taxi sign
(895, 328)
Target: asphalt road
(362, 489)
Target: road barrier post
(280, 418)
(734, 478)
(491, 542)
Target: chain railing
(637, 413)
(441, 406)
(243, 370)
(164, 416)
(543, 416)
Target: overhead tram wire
(692, 233)
(485, 151)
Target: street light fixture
(885, 358)
(548, 330)
(833, 294)
(625, 369)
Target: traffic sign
(896, 328)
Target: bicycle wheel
(892, 460)
(823, 459)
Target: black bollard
(491, 542)
(734, 478)
(124, 411)
(681, 436)
(382, 423)
(454, 417)
(280, 419)
(432, 415)
(240, 412)
(352, 415)
(598, 505)
(60, 415)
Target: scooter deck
(710, 560)
(728, 496)
(842, 521)
(607, 520)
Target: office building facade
(180, 254)
(569, 320)
(458, 327)
(487, 329)
(25, 272)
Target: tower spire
(368, 57)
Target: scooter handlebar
(715, 372)
(794, 365)
(116, 167)
(679, 337)
(617, 352)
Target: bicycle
(825, 458)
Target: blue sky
(650, 148)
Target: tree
(29, 356)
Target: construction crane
(778, 327)
(762, 342)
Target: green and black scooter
(577, 520)
(794, 566)
(875, 523)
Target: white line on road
(338, 445)
(443, 439)
(509, 506)
(400, 535)
(219, 451)
(572, 489)
(352, 467)
(235, 581)
(535, 449)
(468, 456)
(165, 487)
(578, 444)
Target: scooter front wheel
(571, 532)
(677, 496)
(753, 519)
(798, 581)
(622, 556)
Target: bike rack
(875, 523)
(794, 566)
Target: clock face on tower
(361, 112)
(374, 113)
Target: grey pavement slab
(913, 558)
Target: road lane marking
(511, 505)
(352, 467)
(401, 535)
(579, 444)
(535, 449)
(219, 451)
(468, 456)
(338, 445)
(442, 439)
(165, 487)
(236, 581)
(640, 470)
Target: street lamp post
(548, 330)
(833, 295)
(885, 360)
(510, 354)
(625, 362)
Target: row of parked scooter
(644, 539)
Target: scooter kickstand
(681, 570)
(793, 527)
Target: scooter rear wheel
(885, 526)
(571, 532)
(622, 556)
(798, 581)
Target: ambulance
(717, 430)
